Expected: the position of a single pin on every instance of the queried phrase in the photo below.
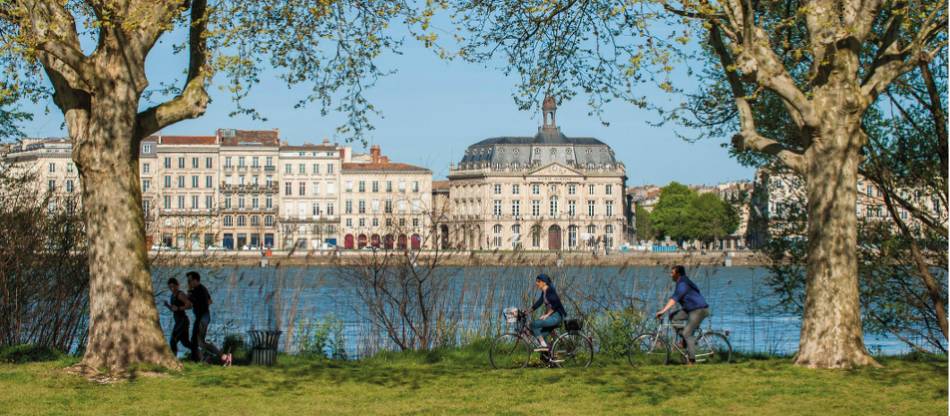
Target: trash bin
(264, 347)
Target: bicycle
(654, 347)
(513, 350)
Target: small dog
(227, 359)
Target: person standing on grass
(178, 303)
(553, 310)
(201, 306)
(693, 308)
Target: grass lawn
(460, 382)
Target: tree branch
(748, 137)
(193, 100)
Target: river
(740, 301)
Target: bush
(234, 344)
(322, 338)
(25, 353)
(613, 329)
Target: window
(146, 184)
(498, 190)
(571, 208)
(288, 188)
(362, 206)
(147, 148)
(316, 168)
(516, 208)
(227, 203)
(209, 201)
(52, 168)
(329, 169)
(415, 186)
(255, 202)
(348, 186)
(535, 189)
(496, 239)
(194, 181)
(269, 202)
(227, 162)
(515, 189)
(348, 206)
(146, 168)
(268, 221)
(208, 163)
(168, 163)
(194, 202)
(255, 161)
(362, 222)
(571, 189)
(572, 236)
(194, 163)
(181, 202)
(610, 209)
(590, 189)
(241, 220)
(329, 208)
(255, 220)
(497, 208)
(289, 170)
(167, 202)
(375, 205)
(535, 208)
(590, 208)
(228, 221)
(302, 169)
(375, 186)
(375, 222)
(316, 208)
(208, 182)
(362, 186)
(241, 161)
(389, 186)
(302, 188)
(388, 206)
(535, 236)
(241, 202)
(168, 181)
(553, 206)
(181, 181)
(181, 163)
(269, 161)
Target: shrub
(26, 353)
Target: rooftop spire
(548, 109)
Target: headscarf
(546, 279)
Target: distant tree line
(682, 214)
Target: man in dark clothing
(201, 306)
(179, 302)
(694, 307)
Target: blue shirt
(688, 296)
(550, 299)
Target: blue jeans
(545, 325)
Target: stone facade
(310, 174)
(547, 192)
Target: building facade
(385, 204)
(309, 196)
(546, 192)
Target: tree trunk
(831, 334)
(124, 330)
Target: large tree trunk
(831, 334)
(124, 330)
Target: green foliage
(235, 345)
(683, 214)
(645, 230)
(613, 330)
(26, 353)
(324, 338)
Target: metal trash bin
(264, 347)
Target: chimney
(374, 153)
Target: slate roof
(548, 146)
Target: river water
(248, 297)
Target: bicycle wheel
(648, 349)
(509, 351)
(572, 350)
(714, 348)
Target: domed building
(546, 192)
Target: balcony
(270, 168)
(249, 188)
(249, 210)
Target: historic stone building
(249, 188)
(385, 204)
(546, 192)
(310, 174)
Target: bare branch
(194, 98)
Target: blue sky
(432, 109)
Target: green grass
(459, 382)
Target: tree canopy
(683, 214)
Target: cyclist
(693, 308)
(554, 312)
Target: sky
(433, 109)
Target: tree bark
(124, 330)
(831, 333)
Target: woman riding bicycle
(554, 312)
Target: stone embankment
(461, 258)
